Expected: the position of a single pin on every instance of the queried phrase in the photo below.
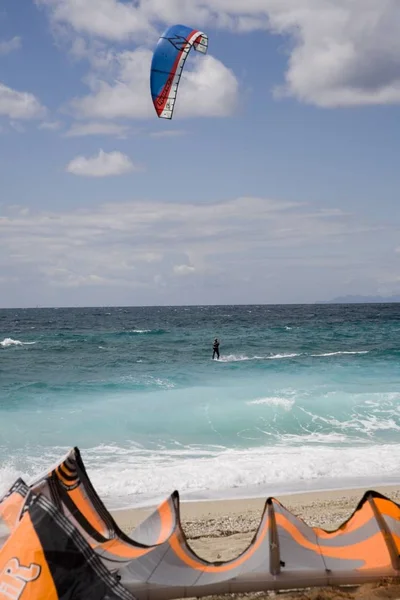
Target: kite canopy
(167, 64)
(58, 541)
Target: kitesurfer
(216, 348)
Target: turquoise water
(303, 397)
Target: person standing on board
(216, 348)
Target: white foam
(7, 342)
(9, 473)
(242, 357)
(342, 352)
(164, 383)
(141, 331)
(277, 356)
(315, 437)
(362, 424)
(133, 475)
(129, 475)
(238, 358)
(273, 401)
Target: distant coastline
(361, 300)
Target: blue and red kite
(167, 65)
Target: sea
(304, 397)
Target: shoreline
(257, 497)
(346, 498)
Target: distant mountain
(360, 300)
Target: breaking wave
(8, 342)
(126, 476)
(285, 403)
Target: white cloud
(340, 52)
(96, 128)
(8, 46)
(50, 125)
(250, 248)
(345, 53)
(19, 105)
(209, 89)
(118, 21)
(109, 19)
(103, 165)
(183, 270)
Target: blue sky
(276, 180)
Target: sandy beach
(220, 530)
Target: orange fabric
(80, 500)
(10, 509)
(123, 550)
(359, 519)
(24, 573)
(180, 551)
(373, 551)
(64, 467)
(119, 548)
(85, 507)
(167, 522)
(387, 508)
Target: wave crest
(285, 403)
(8, 342)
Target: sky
(276, 180)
